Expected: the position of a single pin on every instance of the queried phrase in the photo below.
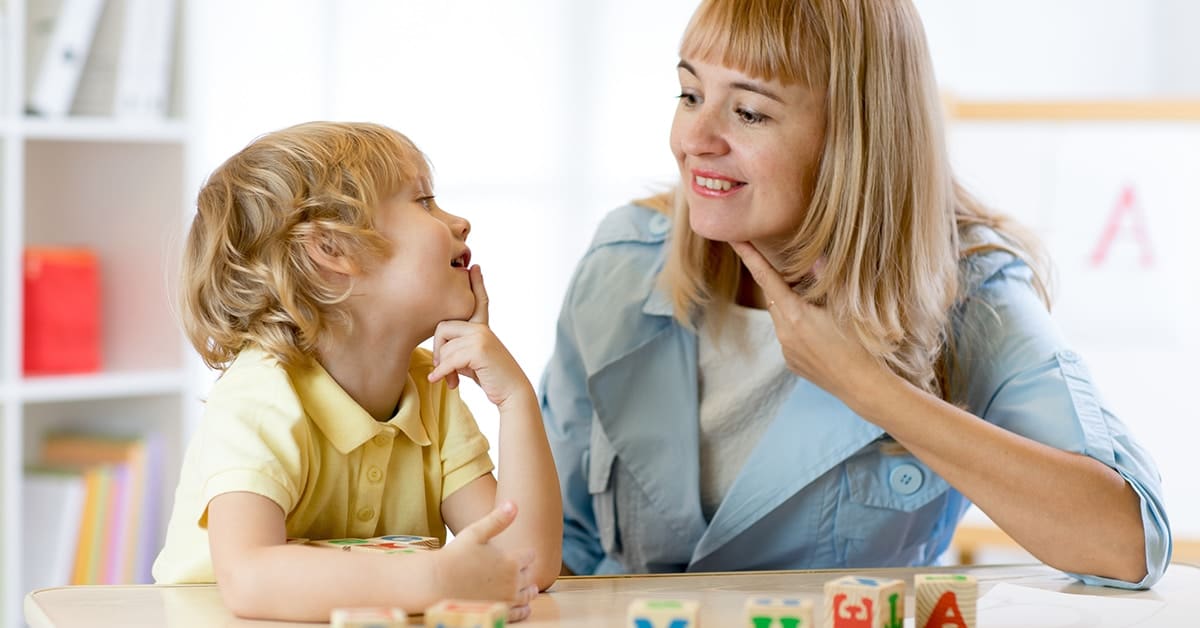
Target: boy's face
(426, 279)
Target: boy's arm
(260, 576)
(527, 473)
(527, 478)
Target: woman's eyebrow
(748, 86)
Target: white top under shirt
(750, 381)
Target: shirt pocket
(891, 509)
(601, 457)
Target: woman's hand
(816, 346)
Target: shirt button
(1069, 356)
(374, 474)
(366, 514)
(660, 224)
(906, 479)
(382, 439)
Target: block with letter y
(767, 612)
(661, 613)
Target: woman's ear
(327, 253)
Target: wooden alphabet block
(860, 602)
(466, 614)
(660, 613)
(368, 618)
(767, 612)
(945, 600)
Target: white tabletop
(593, 601)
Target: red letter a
(946, 613)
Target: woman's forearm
(527, 476)
(1070, 511)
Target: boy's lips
(463, 260)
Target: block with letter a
(661, 613)
(466, 614)
(945, 600)
(860, 602)
(767, 612)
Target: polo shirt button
(1069, 356)
(366, 514)
(374, 474)
(906, 479)
(382, 439)
(660, 224)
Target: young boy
(318, 260)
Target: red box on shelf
(62, 311)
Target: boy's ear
(327, 253)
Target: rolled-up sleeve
(1020, 375)
(567, 412)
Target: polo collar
(343, 421)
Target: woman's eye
(750, 117)
(688, 99)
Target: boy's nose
(460, 226)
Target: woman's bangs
(760, 39)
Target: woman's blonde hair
(247, 276)
(886, 215)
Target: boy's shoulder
(253, 368)
(255, 379)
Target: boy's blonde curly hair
(247, 278)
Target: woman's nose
(703, 133)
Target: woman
(819, 351)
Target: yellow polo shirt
(295, 437)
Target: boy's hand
(471, 567)
(470, 348)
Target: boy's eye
(426, 202)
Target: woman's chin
(717, 232)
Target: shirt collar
(345, 423)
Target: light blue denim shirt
(822, 488)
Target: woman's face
(748, 152)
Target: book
(51, 509)
(86, 569)
(123, 522)
(64, 55)
(128, 69)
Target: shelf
(55, 388)
(100, 130)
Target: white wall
(540, 115)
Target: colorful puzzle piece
(389, 544)
(466, 614)
(860, 602)
(945, 600)
(769, 612)
(660, 613)
(368, 618)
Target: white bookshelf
(123, 188)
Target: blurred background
(1080, 117)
